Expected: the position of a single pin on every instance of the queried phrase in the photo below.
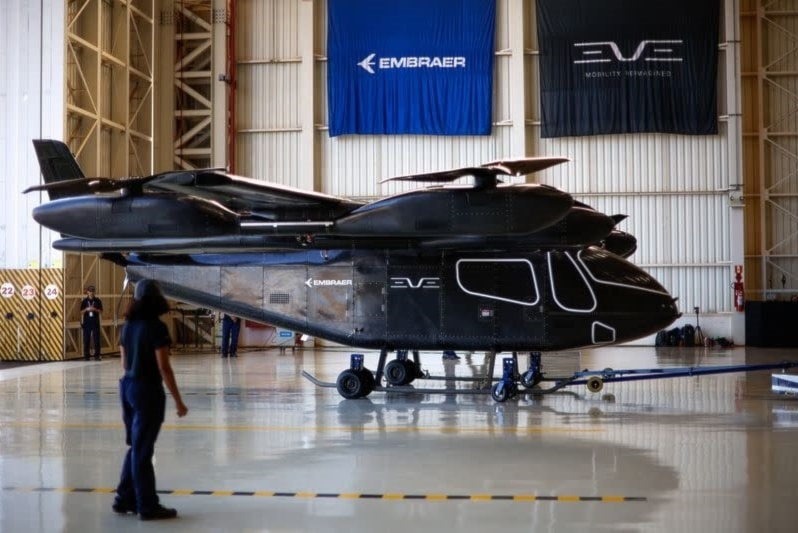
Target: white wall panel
(31, 107)
(267, 29)
(268, 85)
(266, 99)
(275, 160)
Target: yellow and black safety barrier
(31, 314)
(356, 495)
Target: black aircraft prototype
(485, 266)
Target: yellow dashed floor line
(349, 429)
(393, 496)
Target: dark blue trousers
(230, 331)
(143, 410)
(91, 330)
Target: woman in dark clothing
(144, 345)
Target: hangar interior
(143, 86)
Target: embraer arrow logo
(369, 63)
(310, 282)
(422, 283)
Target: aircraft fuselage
(534, 301)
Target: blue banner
(410, 67)
(628, 66)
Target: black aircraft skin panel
(486, 266)
(436, 211)
(575, 230)
(520, 302)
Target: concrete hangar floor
(263, 449)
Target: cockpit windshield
(605, 267)
(569, 287)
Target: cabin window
(569, 286)
(508, 280)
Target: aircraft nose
(675, 309)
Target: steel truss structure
(770, 139)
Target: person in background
(231, 327)
(144, 345)
(90, 309)
(450, 355)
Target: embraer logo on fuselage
(383, 63)
(422, 283)
(310, 282)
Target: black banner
(628, 66)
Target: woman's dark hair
(148, 301)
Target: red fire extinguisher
(739, 289)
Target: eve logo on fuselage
(422, 283)
(647, 50)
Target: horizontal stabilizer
(83, 186)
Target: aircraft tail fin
(57, 164)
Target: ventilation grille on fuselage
(279, 298)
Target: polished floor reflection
(262, 449)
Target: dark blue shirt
(91, 318)
(140, 339)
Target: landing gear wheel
(595, 384)
(397, 372)
(529, 379)
(500, 392)
(350, 384)
(412, 371)
(368, 381)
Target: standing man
(90, 309)
(231, 327)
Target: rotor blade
(507, 167)
(522, 167)
(443, 176)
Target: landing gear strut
(506, 388)
(534, 374)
